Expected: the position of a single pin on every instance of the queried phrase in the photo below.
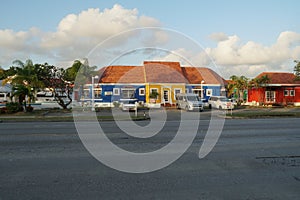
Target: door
(166, 96)
(270, 96)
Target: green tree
(21, 92)
(237, 87)
(72, 71)
(297, 69)
(84, 74)
(54, 78)
(24, 74)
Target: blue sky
(233, 23)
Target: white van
(220, 102)
(189, 101)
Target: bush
(3, 110)
(13, 107)
(29, 109)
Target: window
(176, 91)
(142, 91)
(208, 92)
(154, 90)
(97, 93)
(292, 92)
(270, 96)
(128, 93)
(286, 93)
(86, 93)
(116, 91)
(166, 95)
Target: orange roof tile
(192, 74)
(211, 77)
(280, 77)
(122, 74)
(159, 72)
(163, 72)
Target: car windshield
(193, 98)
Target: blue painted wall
(216, 90)
(111, 98)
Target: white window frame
(209, 92)
(177, 89)
(270, 96)
(286, 93)
(156, 89)
(128, 89)
(100, 93)
(116, 91)
(292, 93)
(142, 92)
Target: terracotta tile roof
(192, 74)
(211, 77)
(159, 72)
(122, 74)
(280, 77)
(164, 72)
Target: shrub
(29, 109)
(3, 110)
(13, 107)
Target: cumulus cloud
(251, 57)
(93, 25)
(233, 57)
(218, 37)
(75, 35)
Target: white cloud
(93, 26)
(253, 57)
(218, 36)
(75, 35)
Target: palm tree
(26, 74)
(237, 86)
(21, 92)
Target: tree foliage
(297, 69)
(237, 86)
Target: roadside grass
(264, 114)
(58, 115)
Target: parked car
(189, 102)
(220, 102)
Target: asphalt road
(253, 159)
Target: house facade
(280, 89)
(118, 84)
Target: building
(119, 84)
(281, 88)
(5, 91)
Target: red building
(280, 89)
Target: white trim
(180, 91)
(292, 91)
(209, 90)
(204, 84)
(265, 85)
(144, 91)
(116, 93)
(286, 94)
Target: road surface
(253, 159)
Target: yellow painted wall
(161, 88)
